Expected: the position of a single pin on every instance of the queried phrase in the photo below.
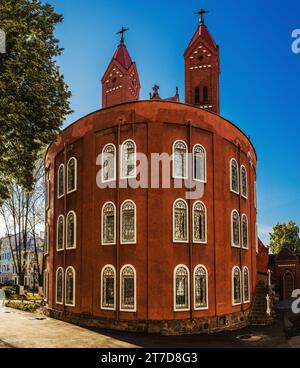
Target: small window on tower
(205, 94)
(197, 96)
(114, 80)
(200, 57)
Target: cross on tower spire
(202, 12)
(122, 32)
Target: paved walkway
(22, 330)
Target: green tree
(34, 99)
(285, 234)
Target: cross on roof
(201, 13)
(122, 32)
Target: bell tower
(120, 82)
(202, 69)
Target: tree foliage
(34, 99)
(285, 234)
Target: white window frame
(194, 281)
(205, 164)
(121, 161)
(57, 228)
(187, 222)
(58, 171)
(75, 230)
(48, 190)
(122, 242)
(47, 238)
(115, 288)
(186, 174)
(63, 284)
(241, 179)
(175, 309)
(45, 286)
(234, 304)
(238, 174)
(193, 225)
(74, 287)
(242, 230)
(244, 299)
(75, 189)
(134, 310)
(231, 224)
(115, 224)
(115, 163)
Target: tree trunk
(41, 291)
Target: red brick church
(151, 259)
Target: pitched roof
(123, 57)
(203, 32)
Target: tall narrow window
(205, 94)
(60, 237)
(235, 229)
(180, 169)
(109, 163)
(200, 288)
(59, 285)
(70, 287)
(244, 184)
(246, 285)
(128, 160)
(108, 288)
(46, 240)
(47, 190)
(245, 231)
(72, 175)
(61, 181)
(236, 286)
(45, 285)
(197, 96)
(128, 289)
(199, 223)
(199, 161)
(234, 176)
(109, 224)
(128, 223)
(180, 221)
(71, 230)
(181, 289)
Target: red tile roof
(203, 32)
(123, 57)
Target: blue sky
(259, 81)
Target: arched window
(128, 160)
(180, 168)
(181, 289)
(70, 287)
(197, 96)
(180, 221)
(60, 237)
(109, 163)
(245, 232)
(47, 190)
(59, 286)
(128, 289)
(128, 223)
(109, 224)
(236, 286)
(199, 161)
(108, 288)
(72, 175)
(246, 288)
(244, 184)
(61, 181)
(235, 229)
(199, 223)
(205, 94)
(71, 230)
(200, 288)
(234, 176)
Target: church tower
(120, 82)
(202, 69)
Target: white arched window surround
(232, 282)
(114, 163)
(63, 233)
(233, 160)
(115, 224)
(188, 289)
(75, 230)
(74, 286)
(61, 167)
(185, 176)
(244, 217)
(239, 226)
(115, 286)
(123, 177)
(56, 283)
(121, 289)
(205, 209)
(75, 179)
(195, 270)
(205, 164)
(135, 222)
(246, 301)
(244, 170)
(187, 221)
